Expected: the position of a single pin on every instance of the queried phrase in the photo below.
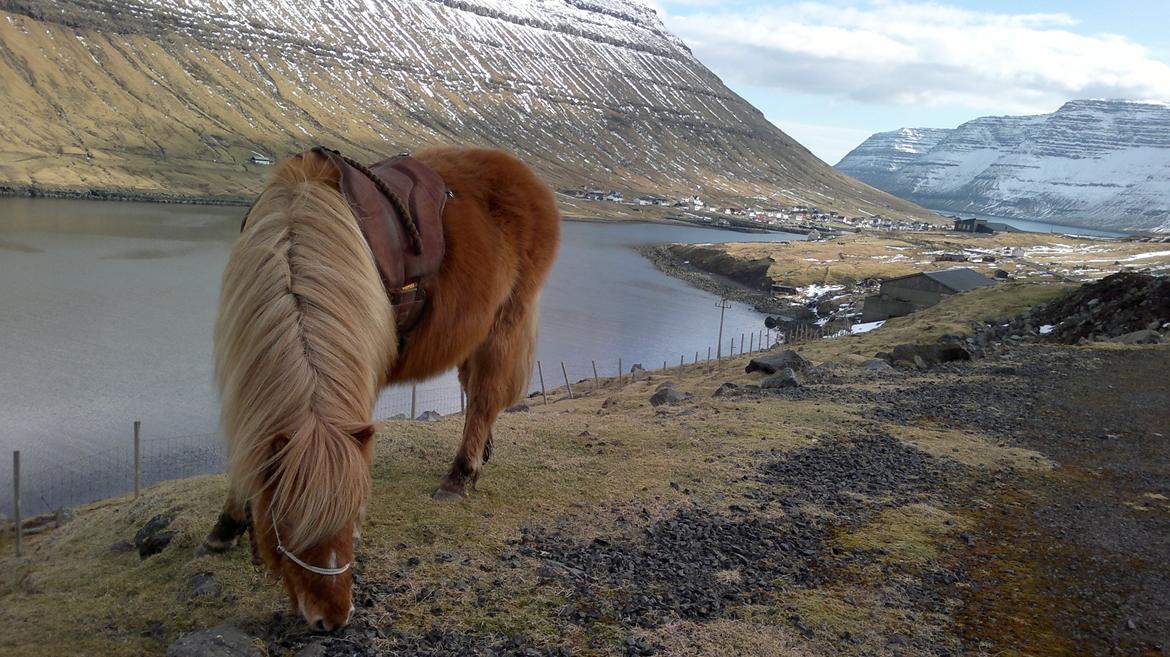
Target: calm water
(1040, 226)
(106, 313)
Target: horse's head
(319, 578)
(311, 548)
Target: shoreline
(29, 191)
(665, 262)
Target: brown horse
(305, 339)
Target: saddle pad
(402, 265)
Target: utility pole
(723, 305)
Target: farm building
(907, 294)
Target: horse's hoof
(208, 547)
(450, 492)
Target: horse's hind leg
(232, 523)
(494, 377)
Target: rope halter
(292, 557)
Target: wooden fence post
(18, 528)
(752, 342)
(540, 371)
(414, 401)
(462, 400)
(681, 361)
(566, 373)
(741, 344)
(137, 455)
(596, 379)
(620, 382)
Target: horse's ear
(278, 443)
(363, 435)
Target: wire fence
(43, 484)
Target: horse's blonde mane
(304, 336)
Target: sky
(832, 72)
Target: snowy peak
(886, 152)
(1103, 163)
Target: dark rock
(786, 378)
(203, 585)
(725, 390)
(122, 546)
(522, 407)
(1144, 336)
(155, 543)
(219, 641)
(151, 539)
(429, 416)
(669, 396)
(877, 365)
(1116, 305)
(152, 526)
(773, 363)
(664, 385)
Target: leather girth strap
(406, 259)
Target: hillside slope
(1101, 163)
(172, 98)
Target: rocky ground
(1014, 504)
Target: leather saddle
(399, 205)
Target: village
(800, 219)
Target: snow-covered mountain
(877, 159)
(173, 96)
(1101, 163)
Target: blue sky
(832, 72)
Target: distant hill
(1100, 163)
(153, 97)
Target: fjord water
(106, 314)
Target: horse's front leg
(232, 523)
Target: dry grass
(852, 258)
(907, 535)
(731, 639)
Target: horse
(305, 339)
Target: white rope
(312, 569)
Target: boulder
(151, 538)
(877, 365)
(773, 363)
(522, 407)
(669, 395)
(220, 641)
(429, 416)
(203, 585)
(1145, 336)
(785, 378)
(725, 390)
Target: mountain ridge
(1098, 163)
(156, 98)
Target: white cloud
(921, 53)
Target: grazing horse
(306, 338)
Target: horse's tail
(304, 336)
